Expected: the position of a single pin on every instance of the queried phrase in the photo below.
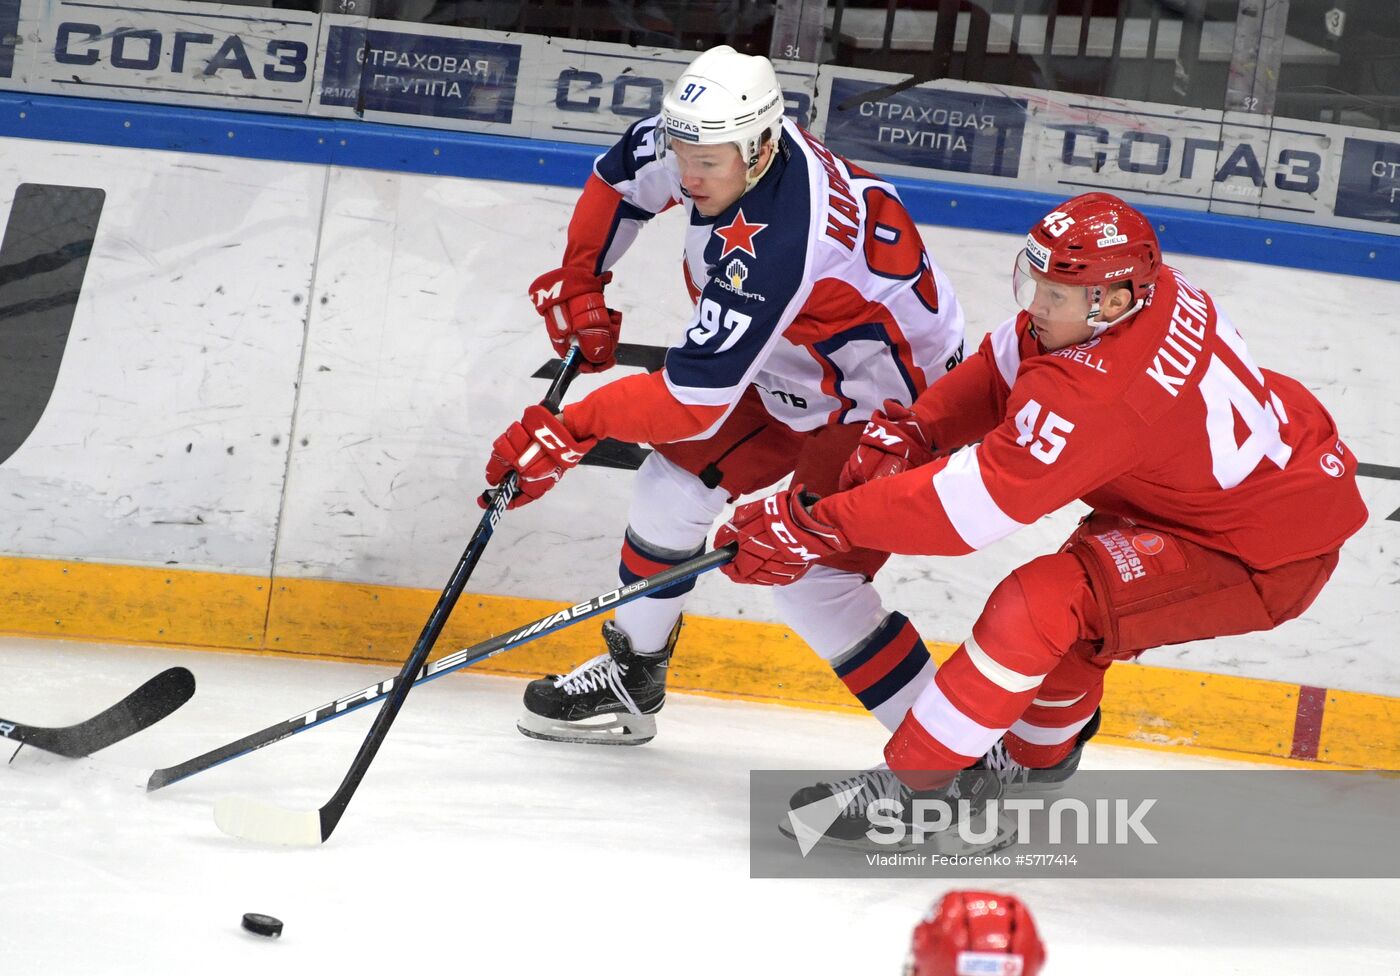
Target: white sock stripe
(1058, 704)
(956, 731)
(999, 674)
(1042, 736)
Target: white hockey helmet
(725, 96)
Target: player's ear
(765, 146)
(1120, 298)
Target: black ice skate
(611, 699)
(839, 814)
(1022, 779)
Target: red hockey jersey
(1164, 419)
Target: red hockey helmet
(1094, 240)
(976, 933)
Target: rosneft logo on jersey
(736, 272)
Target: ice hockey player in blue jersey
(817, 310)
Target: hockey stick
(255, 821)
(139, 710)
(445, 665)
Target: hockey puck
(263, 925)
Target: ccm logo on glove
(891, 443)
(539, 449)
(571, 302)
(784, 534)
(549, 439)
(778, 539)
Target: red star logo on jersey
(739, 235)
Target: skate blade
(605, 730)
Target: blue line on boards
(470, 155)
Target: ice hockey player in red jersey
(815, 303)
(976, 933)
(1220, 496)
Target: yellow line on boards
(1209, 714)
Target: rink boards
(277, 384)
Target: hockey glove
(892, 443)
(778, 539)
(571, 302)
(539, 449)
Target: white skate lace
(1008, 770)
(595, 674)
(874, 784)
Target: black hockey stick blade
(139, 710)
(455, 661)
(274, 825)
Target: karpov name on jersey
(840, 203)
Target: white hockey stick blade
(246, 819)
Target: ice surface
(471, 849)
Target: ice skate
(1016, 778)
(839, 814)
(611, 699)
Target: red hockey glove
(892, 443)
(571, 302)
(778, 538)
(539, 449)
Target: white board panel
(209, 54)
(420, 352)
(165, 440)
(422, 344)
(591, 91)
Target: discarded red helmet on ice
(976, 933)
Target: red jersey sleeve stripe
(639, 409)
(592, 226)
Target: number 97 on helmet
(724, 97)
